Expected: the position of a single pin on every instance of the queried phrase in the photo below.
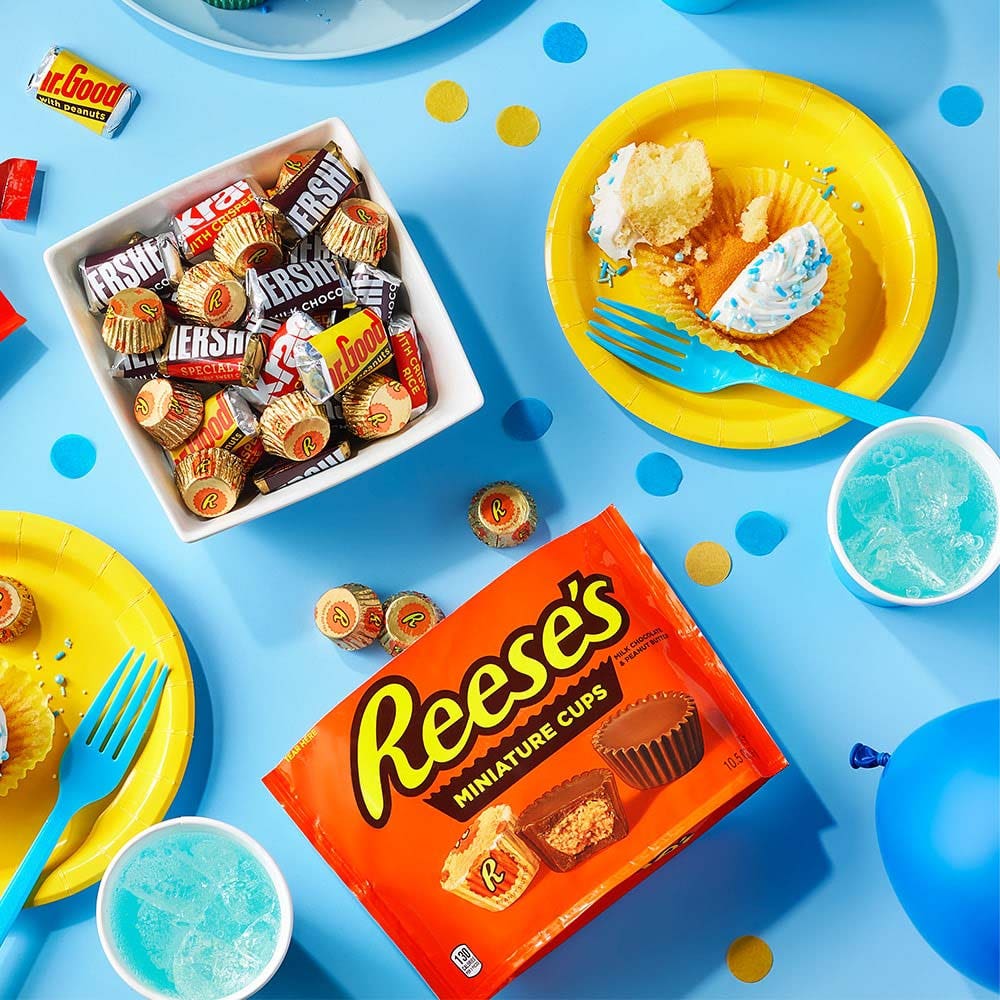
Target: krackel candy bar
(211, 354)
(376, 290)
(153, 262)
(312, 286)
(284, 473)
(198, 225)
(279, 375)
(310, 197)
(78, 89)
(527, 760)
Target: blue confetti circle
(564, 42)
(527, 419)
(960, 105)
(73, 456)
(659, 474)
(759, 533)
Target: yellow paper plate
(89, 593)
(752, 118)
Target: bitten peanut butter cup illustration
(490, 865)
(653, 741)
(575, 820)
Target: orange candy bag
(531, 758)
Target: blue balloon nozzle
(865, 756)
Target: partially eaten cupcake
(27, 726)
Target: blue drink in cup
(193, 909)
(913, 513)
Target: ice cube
(248, 892)
(872, 552)
(206, 968)
(215, 857)
(868, 498)
(949, 556)
(165, 878)
(921, 493)
(161, 934)
(258, 941)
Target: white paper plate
(303, 29)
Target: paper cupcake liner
(658, 761)
(210, 293)
(30, 725)
(249, 241)
(492, 835)
(210, 481)
(797, 348)
(294, 427)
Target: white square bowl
(454, 391)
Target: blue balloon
(937, 815)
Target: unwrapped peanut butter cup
(17, 609)
(574, 820)
(135, 322)
(408, 616)
(294, 427)
(654, 740)
(249, 240)
(490, 865)
(211, 293)
(210, 481)
(359, 231)
(376, 407)
(350, 615)
(168, 411)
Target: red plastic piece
(17, 178)
(10, 319)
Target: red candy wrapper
(526, 761)
(279, 376)
(10, 318)
(17, 180)
(198, 226)
(409, 365)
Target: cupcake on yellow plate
(27, 726)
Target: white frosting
(609, 228)
(776, 287)
(3, 738)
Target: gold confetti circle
(749, 959)
(446, 101)
(708, 563)
(518, 125)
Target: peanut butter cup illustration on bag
(490, 865)
(654, 740)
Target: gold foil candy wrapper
(31, 725)
(169, 412)
(292, 167)
(408, 616)
(350, 615)
(210, 293)
(136, 321)
(376, 407)
(294, 427)
(17, 609)
(490, 866)
(249, 240)
(210, 481)
(359, 231)
(800, 346)
(502, 515)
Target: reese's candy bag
(527, 760)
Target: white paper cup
(193, 824)
(976, 448)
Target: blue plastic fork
(669, 354)
(93, 764)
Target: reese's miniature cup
(294, 427)
(169, 412)
(210, 293)
(210, 481)
(135, 322)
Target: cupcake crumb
(753, 221)
(701, 254)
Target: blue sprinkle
(781, 291)
(828, 170)
(700, 314)
(750, 322)
(659, 474)
(787, 317)
(678, 256)
(622, 270)
(779, 248)
(60, 679)
(759, 533)
(827, 191)
(857, 206)
(614, 157)
(4, 756)
(60, 656)
(611, 181)
(733, 303)
(714, 316)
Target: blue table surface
(798, 864)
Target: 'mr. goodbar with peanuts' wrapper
(528, 760)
